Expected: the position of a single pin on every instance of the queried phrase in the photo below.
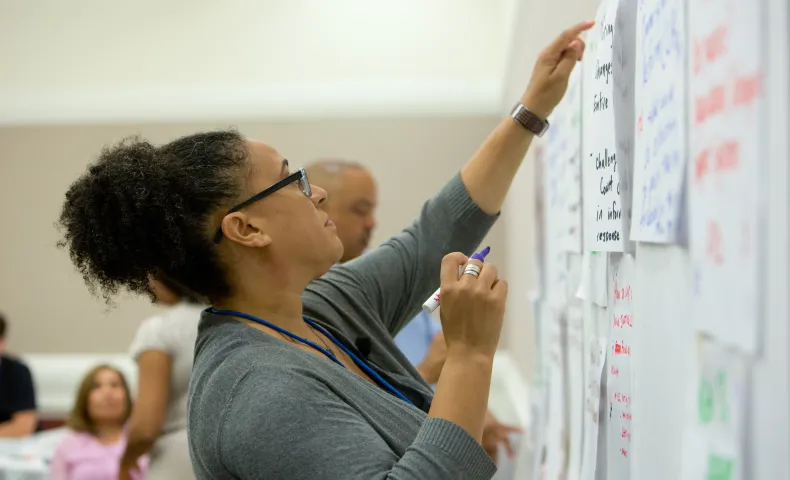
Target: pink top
(80, 456)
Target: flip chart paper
(575, 372)
(595, 357)
(714, 439)
(619, 372)
(563, 168)
(607, 98)
(660, 138)
(726, 124)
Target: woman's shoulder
(167, 330)
(74, 441)
(174, 317)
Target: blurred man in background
(17, 394)
(351, 204)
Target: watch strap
(529, 120)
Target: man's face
(352, 206)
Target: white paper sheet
(539, 230)
(540, 384)
(575, 276)
(538, 423)
(660, 155)
(606, 200)
(556, 430)
(619, 371)
(593, 286)
(554, 260)
(595, 356)
(726, 137)
(714, 441)
(603, 207)
(583, 292)
(576, 374)
(599, 269)
(623, 76)
(563, 165)
(557, 422)
(538, 325)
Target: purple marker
(433, 302)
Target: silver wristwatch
(524, 117)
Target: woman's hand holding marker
(472, 307)
(433, 302)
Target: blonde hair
(79, 419)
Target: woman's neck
(281, 309)
(108, 433)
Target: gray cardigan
(262, 408)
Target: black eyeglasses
(304, 186)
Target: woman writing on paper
(278, 388)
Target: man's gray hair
(334, 166)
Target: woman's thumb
(450, 265)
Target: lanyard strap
(234, 313)
(361, 364)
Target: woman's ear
(239, 228)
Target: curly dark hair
(143, 209)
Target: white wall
(176, 60)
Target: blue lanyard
(378, 378)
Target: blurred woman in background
(163, 349)
(93, 447)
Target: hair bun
(140, 209)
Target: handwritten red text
(620, 348)
(623, 320)
(710, 48)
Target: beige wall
(45, 300)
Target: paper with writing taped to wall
(539, 417)
(619, 373)
(659, 127)
(563, 169)
(555, 259)
(557, 419)
(605, 190)
(623, 73)
(725, 168)
(537, 431)
(575, 374)
(595, 358)
(539, 230)
(714, 438)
